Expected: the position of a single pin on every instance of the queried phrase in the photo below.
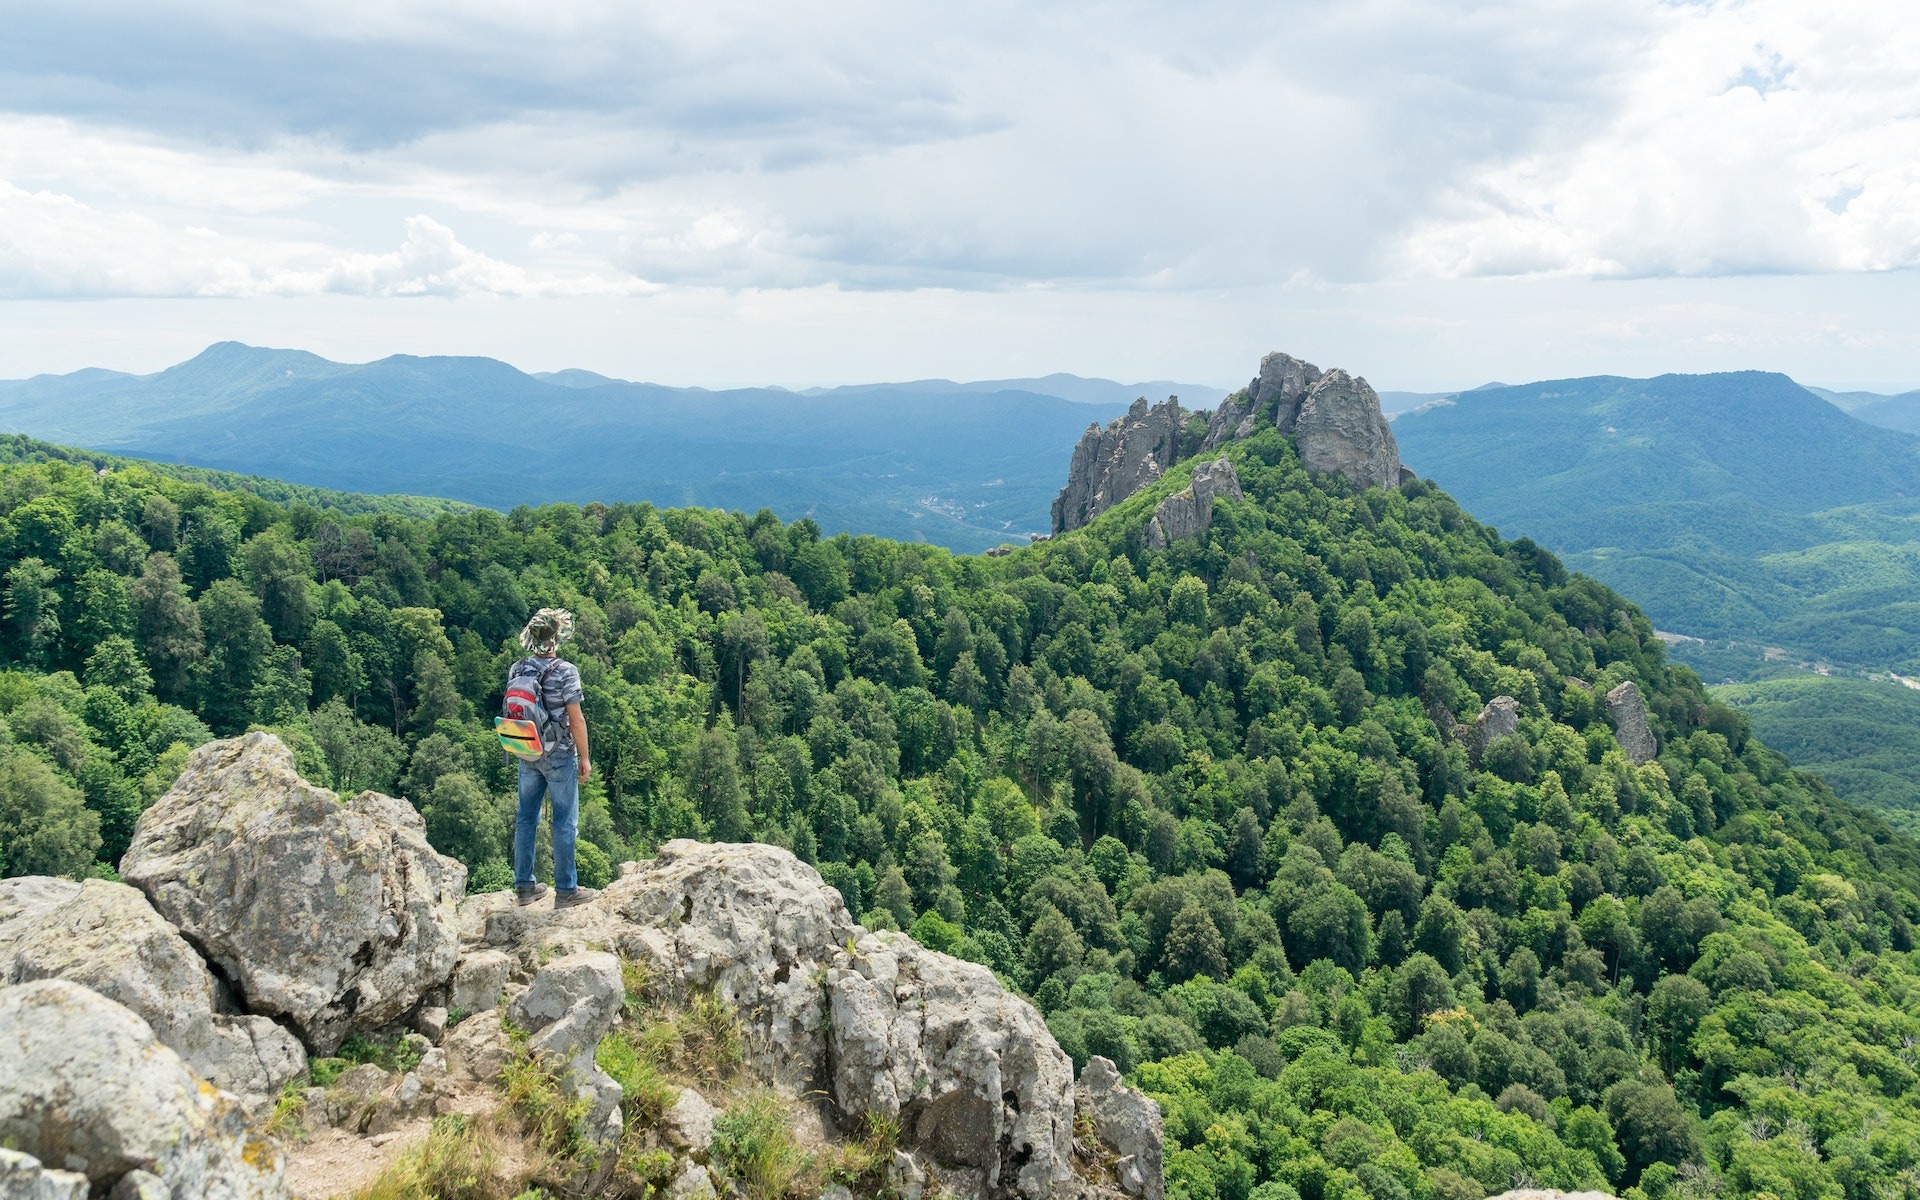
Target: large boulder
(1111, 464)
(334, 915)
(1189, 512)
(105, 936)
(1340, 430)
(748, 924)
(979, 1086)
(1627, 709)
(1500, 718)
(85, 1086)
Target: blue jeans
(556, 777)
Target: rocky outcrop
(1113, 463)
(846, 1024)
(872, 1021)
(105, 936)
(84, 1085)
(334, 915)
(1340, 430)
(1500, 718)
(1128, 1123)
(1627, 709)
(1189, 512)
(967, 1068)
(1334, 419)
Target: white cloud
(1753, 136)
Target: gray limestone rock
(22, 1177)
(84, 1085)
(1340, 430)
(1627, 709)
(477, 980)
(1111, 464)
(969, 1069)
(688, 1125)
(692, 1183)
(140, 1185)
(1128, 1123)
(477, 1048)
(1189, 512)
(105, 936)
(1283, 384)
(573, 1003)
(333, 914)
(1500, 718)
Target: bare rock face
(572, 1004)
(84, 1086)
(1190, 512)
(105, 936)
(875, 1022)
(1128, 1123)
(970, 1071)
(1111, 464)
(1340, 430)
(335, 915)
(22, 1177)
(1627, 709)
(1283, 384)
(1500, 718)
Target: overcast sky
(1429, 192)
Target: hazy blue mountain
(1395, 403)
(1731, 506)
(1900, 412)
(1076, 388)
(889, 459)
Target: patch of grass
(636, 980)
(399, 1054)
(753, 1143)
(647, 1093)
(862, 1163)
(459, 1159)
(554, 1120)
(289, 1119)
(321, 1072)
(700, 1042)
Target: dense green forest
(1197, 803)
(1861, 735)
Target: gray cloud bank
(389, 149)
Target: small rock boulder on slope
(105, 936)
(1627, 709)
(335, 915)
(85, 1086)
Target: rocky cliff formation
(118, 1003)
(1113, 463)
(1190, 511)
(1334, 419)
(1627, 709)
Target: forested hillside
(1198, 803)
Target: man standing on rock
(557, 774)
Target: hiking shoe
(524, 896)
(576, 896)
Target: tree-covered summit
(1197, 802)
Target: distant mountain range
(967, 465)
(1741, 509)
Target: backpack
(527, 730)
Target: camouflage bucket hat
(548, 628)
